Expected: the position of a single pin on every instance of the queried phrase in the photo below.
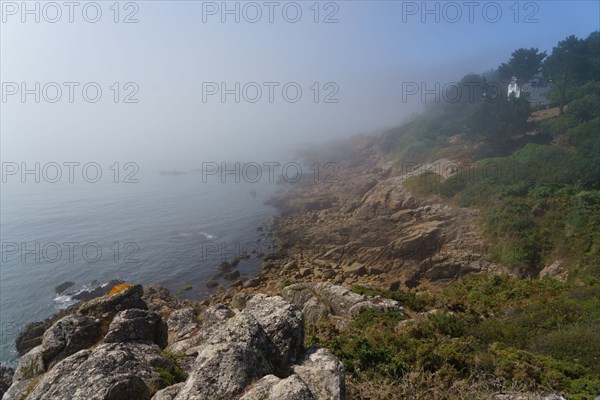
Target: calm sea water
(169, 230)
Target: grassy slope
(491, 333)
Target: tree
(497, 121)
(473, 89)
(524, 64)
(565, 66)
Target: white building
(513, 88)
(536, 89)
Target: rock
(323, 373)
(273, 388)
(284, 325)
(6, 378)
(179, 320)
(31, 337)
(111, 305)
(291, 388)
(136, 325)
(298, 293)
(402, 215)
(328, 274)
(553, 269)
(375, 271)
(322, 263)
(224, 265)
(273, 256)
(226, 353)
(63, 286)
(182, 324)
(316, 301)
(304, 272)
(229, 361)
(377, 304)
(315, 310)
(261, 389)
(214, 318)
(211, 320)
(290, 266)
(239, 300)
(253, 282)
(69, 335)
(356, 268)
(395, 285)
(20, 389)
(232, 274)
(30, 365)
(338, 298)
(212, 284)
(112, 371)
(168, 393)
(160, 300)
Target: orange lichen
(119, 288)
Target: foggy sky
(171, 51)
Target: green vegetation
(540, 202)
(175, 374)
(537, 184)
(532, 334)
(483, 117)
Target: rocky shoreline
(364, 227)
(144, 343)
(247, 341)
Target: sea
(168, 228)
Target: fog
(168, 70)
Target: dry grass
(544, 114)
(426, 386)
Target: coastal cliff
(370, 291)
(147, 344)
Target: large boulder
(69, 335)
(168, 393)
(317, 301)
(182, 323)
(32, 335)
(229, 361)
(338, 298)
(356, 268)
(108, 306)
(112, 371)
(136, 325)
(315, 310)
(323, 373)
(30, 365)
(273, 388)
(298, 293)
(211, 320)
(284, 325)
(20, 389)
